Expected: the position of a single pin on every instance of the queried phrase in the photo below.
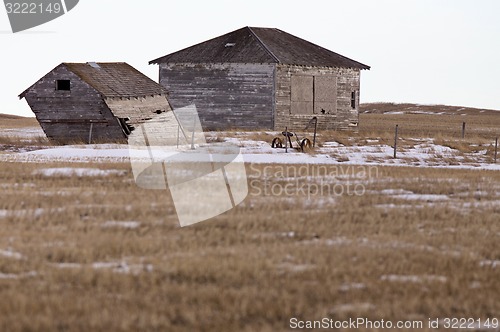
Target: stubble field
(82, 248)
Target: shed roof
(113, 79)
(260, 45)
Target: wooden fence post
(315, 130)
(496, 149)
(463, 130)
(286, 139)
(395, 141)
(90, 133)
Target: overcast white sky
(422, 51)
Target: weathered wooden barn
(100, 102)
(263, 78)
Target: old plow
(302, 144)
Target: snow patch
(11, 254)
(22, 213)
(424, 154)
(80, 172)
(68, 265)
(395, 192)
(412, 278)
(423, 197)
(123, 267)
(121, 224)
(365, 306)
(339, 241)
(351, 286)
(492, 263)
(18, 276)
(117, 267)
(290, 267)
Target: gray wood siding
(66, 116)
(226, 95)
(341, 117)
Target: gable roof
(260, 45)
(113, 79)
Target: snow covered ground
(79, 172)
(425, 153)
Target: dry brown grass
(419, 243)
(272, 258)
(14, 121)
(444, 121)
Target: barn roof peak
(260, 45)
(112, 79)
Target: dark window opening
(353, 99)
(63, 85)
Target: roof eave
(360, 66)
(156, 61)
(23, 94)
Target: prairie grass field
(428, 120)
(83, 248)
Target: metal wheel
(277, 143)
(305, 145)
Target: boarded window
(302, 94)
(313, 94)
(63, 85)
(325, 94)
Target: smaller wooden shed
(100, 102)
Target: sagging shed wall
(138, 109)
(227, 96)
(304, 92)
(67, 116)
